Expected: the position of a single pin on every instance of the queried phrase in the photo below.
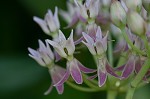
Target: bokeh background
(20, 76)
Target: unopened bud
(146, 5)
(118, 14)
(135, 5)
(136, 23)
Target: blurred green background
(20, 76)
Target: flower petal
(70, 44)
(129, 68)
(98, 34)
(79, 40)
(90, 47)
(75, 71)
(92, 77)
(102, 77)
(58, 48)
(88, 38)
(61, 36)
(42, 24)
(60, 89)
(120, 68)
(85, 69)
(50, 21)
(111, 71)
(56, 18)
(49, 90)
(63, 78)
(74, 21)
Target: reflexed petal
(79, 40)
(111, 71)
(129, 68)
(63, 78)
(90, 47)
(42, 24)
(120, 46)
(56, 73)
(65, 15)
(57, 56)
(120, 68)
(56, 18)
(88, 38)
(75, 72)
(49, 90)
(60, 89)
(138, 66)
(102, 77)
(85, 69)
(92, 77)
(74, 21)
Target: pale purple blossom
(64, 47)
(88, 10)
(97, 45)
(50, 24)
(45, 57)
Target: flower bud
(136, 23)
(135, 5)
(118, 14)
(146, 5)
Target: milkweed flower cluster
(117, 35)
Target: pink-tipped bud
(136, 23)
(118, 14)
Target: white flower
(50, 24)
(64, 47)
(97, 45)
(89, 9)
(44, 56)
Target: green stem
(130, 93)
(137, 79)
(80, 88)
(110, 51)
(146, 45)
(111, 94)
(141, 74)
(129, 42)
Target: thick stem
(141, 74)
(137, 79)
(146, 45)
(111, 94)
(130, 93)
